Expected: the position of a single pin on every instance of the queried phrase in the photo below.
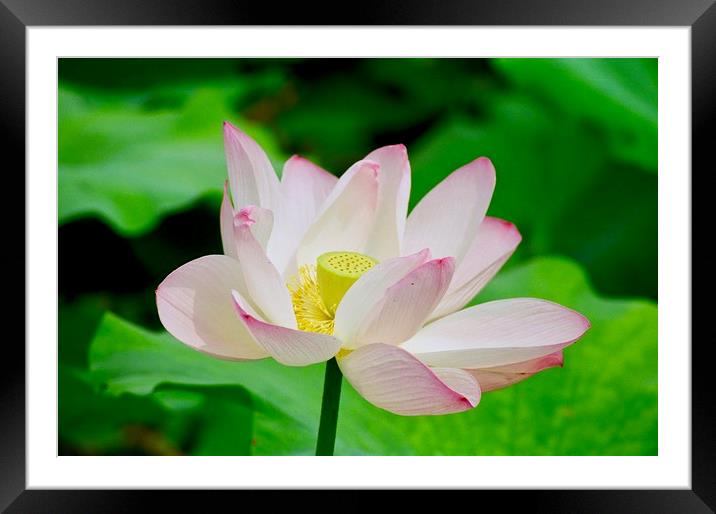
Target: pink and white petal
(499, 377)
(494, 239)
(447, 218)
(387, 236)
(226, 224)
(264, 286)
(260, 222)
(251, 176)
(461, 381)
(346, 217)
(497, 333)
(195, 306)
(406, 304)
(305, 188)
(368, 291)
(495, 242)
(458, 298)
(287, 346)
(392, 379)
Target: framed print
(433, 249)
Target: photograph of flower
(357, 256)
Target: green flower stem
(329, 408)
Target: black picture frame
(17, 15)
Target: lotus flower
(316, 267)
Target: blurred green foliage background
(141, 167)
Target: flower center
(317, 290)
(337, 272)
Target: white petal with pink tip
(386, 238)
(447, 218)
(498, 377)
(195, 306)
(392, 379)
(305, 187)
(264, 285)
(497, 333)
(251, 176)
(494, 243)
(287, 346)
(226, 224)
(346, 217)
(259, 220)
(363, 296)
(406, 304)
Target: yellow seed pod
(338, 271)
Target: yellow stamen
(311, 313)
(317, 290)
